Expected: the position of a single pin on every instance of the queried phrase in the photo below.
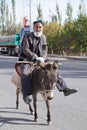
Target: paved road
(68, 113)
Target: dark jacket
(32, 45)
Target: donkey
(44, 77)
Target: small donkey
(44, 77)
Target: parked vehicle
(10, 44)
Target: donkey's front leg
(48, 112)
(35, 107)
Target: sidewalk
(76, 57)
(68, 57)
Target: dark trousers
(61, 84)
(26, 80)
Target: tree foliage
(69, 38)
(13, 12)
(39, 11)
(80, 32)
(59, 17)
(2, 18)
(69, 12)
(50, 30)
(7, 19)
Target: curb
(76, 58)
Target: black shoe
(68, 91)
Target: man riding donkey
(34, 47)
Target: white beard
(37, 34)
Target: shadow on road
(12, 120)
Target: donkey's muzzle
(50, 98)
(50, 95)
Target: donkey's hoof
(32, 113)
(36, 120)
(16, 107)
(49, 122)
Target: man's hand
(34, 57)
(40, 59)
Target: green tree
(2, 10)
(39, 11)
(50, 30)
(7, 19)
(67, 37)
(7, 16)
(7, 22)
(59, 17)
(13, 11)
(54, 18)
(69, 12)
(80, 30)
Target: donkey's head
(49, 79)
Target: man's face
(38, 27)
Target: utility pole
(30, 11)
(29, 5)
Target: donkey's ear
(48, 66)
(55, 65)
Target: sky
(48, 8)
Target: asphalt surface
(68, 113)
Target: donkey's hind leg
(17, 97)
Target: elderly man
(34, 47)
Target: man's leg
(62, 86)
(26, 82)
